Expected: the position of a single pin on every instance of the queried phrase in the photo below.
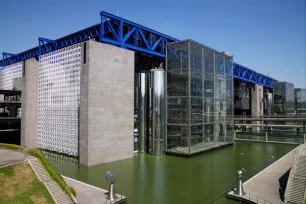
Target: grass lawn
(19, 184)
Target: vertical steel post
(203, 94)
(189, 97)
(234, 127)
(266, 130)
(166, 103)
(214, 101)
(304, 132)
(101, 29)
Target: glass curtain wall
(283, 98)
(199, 98)
(300, 100)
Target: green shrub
(54, 175)
(11, 146)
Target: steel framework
(126, 34)
(249, 75)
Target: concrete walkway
(8, 156)
(265, 184)
(88, 194)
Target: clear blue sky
(265, 35)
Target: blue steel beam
(46, 45)
(246, 74)
(8, 58)
(125, 33)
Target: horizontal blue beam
(127, 34)
(246, 74)
(74, 38)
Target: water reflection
(167, 179)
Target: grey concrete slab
(8, 156)
(265, 184)
(88, 194)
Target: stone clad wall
(29, 104)
(106, 104)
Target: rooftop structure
(126, 34)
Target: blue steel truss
(46, 45)
(244, 73)
(249, 75)
(126, 34)
(10, 58)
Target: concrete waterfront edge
(235, 197)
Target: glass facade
(199, 98)
(283, 98)
(300, 100)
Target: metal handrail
(269, 125)
(271, 119)
(258, 199)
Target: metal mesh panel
(199, 98)
(10, 73)
(59, 99)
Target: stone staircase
(296, 186)
(57, 193)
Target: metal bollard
(110, 178)
(239, 190)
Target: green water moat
(204, 178)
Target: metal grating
(59, 100)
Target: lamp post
(110, 178)
(239, 190)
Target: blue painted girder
(46, 45)
(126, 34)
(249, 75)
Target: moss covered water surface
(204, 178)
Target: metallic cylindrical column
(269, 103)
(239, 189)
(158, 111)
(143, 110)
